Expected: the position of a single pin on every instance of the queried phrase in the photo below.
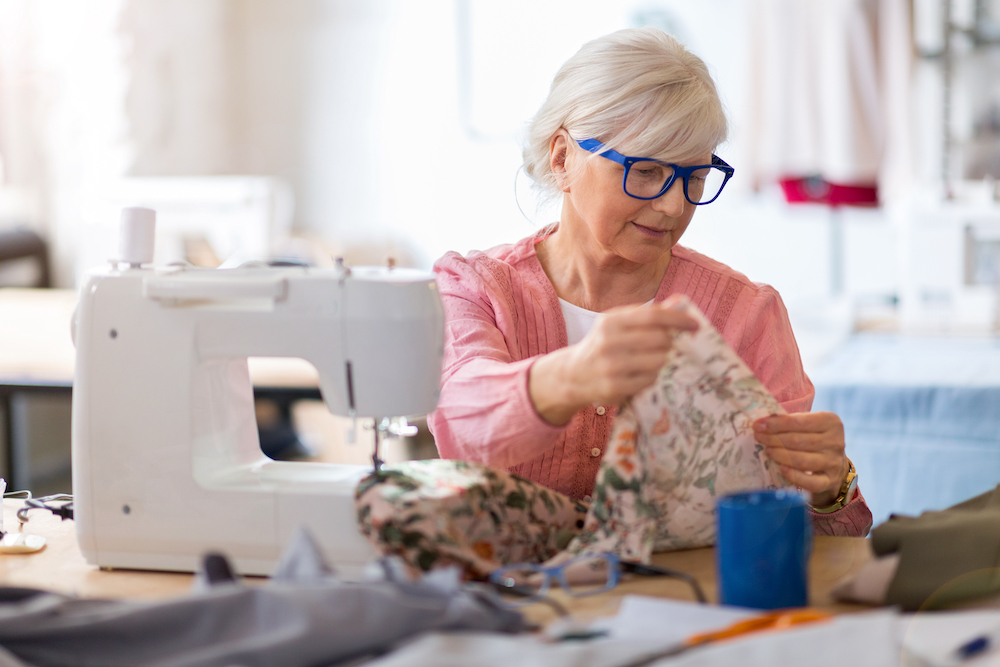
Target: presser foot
(389, 426)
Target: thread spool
(136, 236)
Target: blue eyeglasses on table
(584, 575)
(646, 178)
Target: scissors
(781, 619)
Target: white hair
(638, 91)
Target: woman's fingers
(617, 376)
(620, 356)
(812, 461)
(655, 315)
(800, 422)
(633, 330)
(815, 483)
(809, 448)
(625, 350)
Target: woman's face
(615, 225)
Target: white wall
(414, 113)
(396, 122)
(62, 117)
(415, 109)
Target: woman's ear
(558, 150)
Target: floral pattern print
(441, 512)
(675, 447)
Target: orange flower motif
(662, 424)
(626, 465)
(626, 435)
(483, 550)
(625, 449)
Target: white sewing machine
(166, 459)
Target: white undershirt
(578, 320)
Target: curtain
(830, 83)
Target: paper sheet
(642, 617)
(867, 639)
(645, 625)
(857, 639)
(930, 638)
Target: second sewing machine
(166, 459)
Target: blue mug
(762, 552)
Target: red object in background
(816, 190)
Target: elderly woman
(547, 336)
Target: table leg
(19, 457)
(7, 437)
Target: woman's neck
(594, 281)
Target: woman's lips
(650, 231)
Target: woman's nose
(672, 201)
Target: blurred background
(865, 138)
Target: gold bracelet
(846, 494)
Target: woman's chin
(646, 253)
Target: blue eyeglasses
(524, 583)
(646, 178)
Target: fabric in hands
(673, 448)
(678, 445)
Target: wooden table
(61, 567)
(833, 558)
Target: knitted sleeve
(485, 413)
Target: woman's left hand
(809, 449)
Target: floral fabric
(675, 447)
(443, 512)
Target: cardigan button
(595, 452)
(601, 409)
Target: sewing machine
(166, 459)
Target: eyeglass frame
(558, 573)
(598, 148)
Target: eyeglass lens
(584, 576)
(646, 179)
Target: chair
(21, 243)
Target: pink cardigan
(501, 313)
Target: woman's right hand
(620, 356)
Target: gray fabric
(304, 617)
(8, 659)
